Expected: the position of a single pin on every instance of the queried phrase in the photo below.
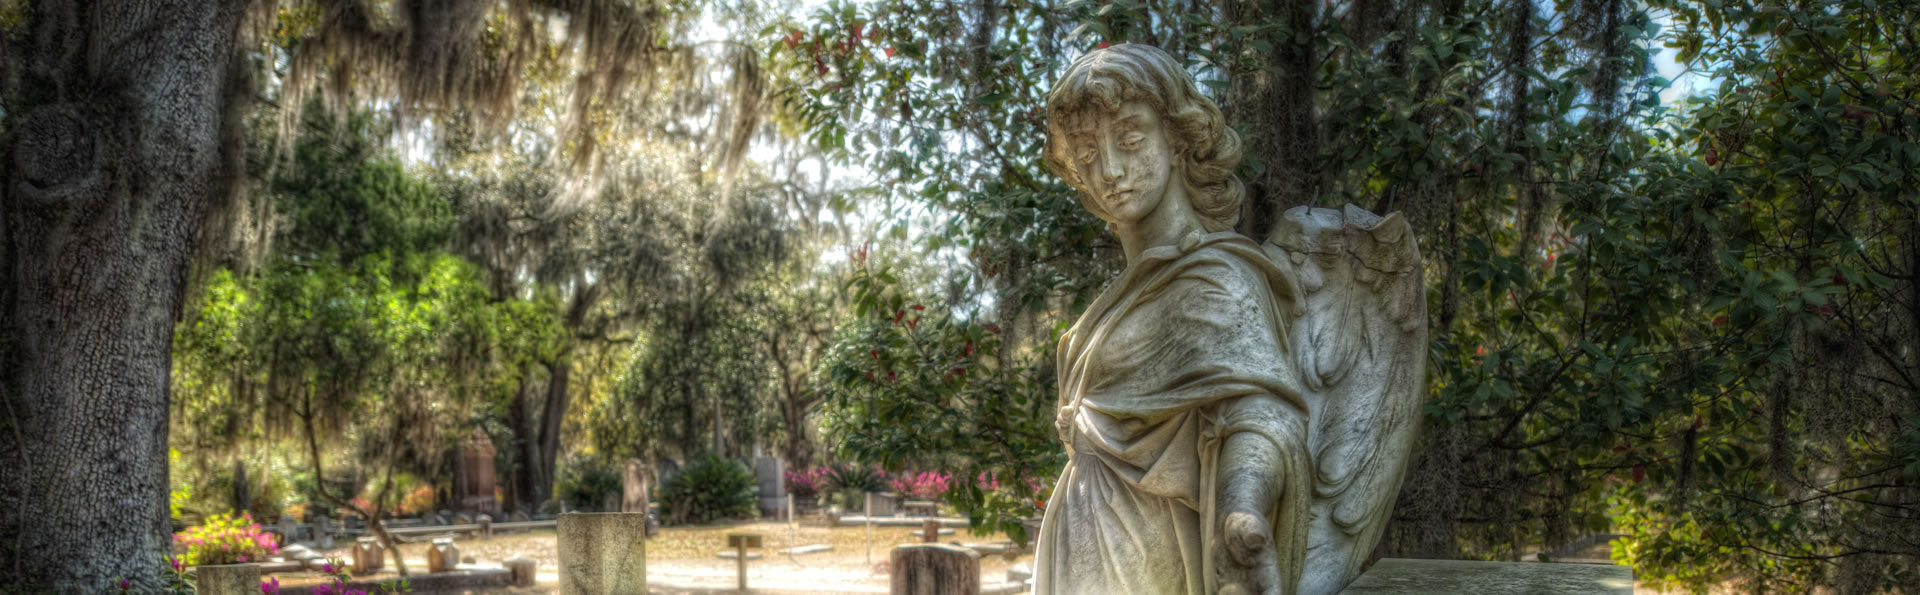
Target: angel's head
(1125, 121)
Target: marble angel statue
(1237, 414)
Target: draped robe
(1186, 348)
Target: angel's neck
(1169, 223)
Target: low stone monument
(933, 569)
(443, 555)
(368, 555)
(486, 526)
(523, 570)
(474, 477)
(1241, 411)
(289, 529)
(322, 531)
(602, 553)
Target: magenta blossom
(270, 586)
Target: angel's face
(1123, 160)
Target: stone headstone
(443, 555)
(633, 483)
(461, 518)
(769, 473)
(520, 516)
(368, 555)
(228, 579)
(322, 531)
(934, 569)
(522, 569)
(475, 479)
(602, 553)
(486, 526)
(289, 529)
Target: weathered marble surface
(1237, 414)
(1397, 576)
(603, 553)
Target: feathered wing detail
(1359, 338)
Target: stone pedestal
(289, 529)
(770, 473)
(523, 570)
(443, 555)
(633, 483)
(934, 569)
(228, 579)
(602, 553)
(1395, 576)
(368, 555)
(474, 479)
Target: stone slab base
(1396, 576)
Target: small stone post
(228, 579)
(633, 483)
(602, 553)
(522, 569)
(486, 526)
(930, 531)
(289, 529)
(934, 569)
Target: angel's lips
(1118, 197)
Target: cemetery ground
(686, 558)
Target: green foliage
(588, 483)
(710, 489)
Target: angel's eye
(1133, 139)
(1083, 152)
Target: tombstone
(934, 569)
(443, 518)
(522, 569)
(770, 474)
(486, 526)
(443, 555)
(368, 555)
(520, 516)
(461, 518)
(322, 531)
(475, 479)
(240, 499)
(633, 483)
(602, 553)
(228, 579)
(930, 531)
(353, 523)
(289, 529)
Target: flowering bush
(806, 485)
(417, 501)
(226, 540)
(930, 485)
(297, 511)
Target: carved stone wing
(1359, 339)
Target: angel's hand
(1248, 561)
(1063, 425)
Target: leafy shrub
(713, 488)
(929, 485)
(806, 485)
(226, 540)
(850, 483)
(585, 483)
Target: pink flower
(270, 586)
(326, 567)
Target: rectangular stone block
(602, 553)
(1395, 576)
(743, 540)
(934, 569)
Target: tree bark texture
(113, 155)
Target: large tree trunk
(113, 156)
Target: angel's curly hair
(1206, 148)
